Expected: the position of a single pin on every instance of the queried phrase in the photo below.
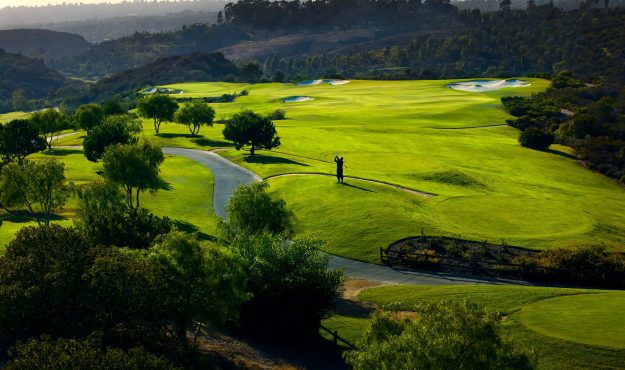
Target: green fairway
(6, 117)
(188, 201)
(569, 328)
(421, 135)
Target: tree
(114, 107)
(206, 281)
(50, 123)
(582, 125)
(251, 210)
(88, 116)
(440, 335)
(250, 129)
(114, 130)
(134, 167)
(291, 285)
(18, 100)
(195, 115)
(89, 353)
(35, 183)
(536, 138)
(251, 72)
(42, 289)
(19, 139)
(105, 219)
(159, 108)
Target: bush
(104, 218)
(536, 139)
(290, 284)
(251, 210)
(441, 335)
(44, 353)
(277, 115)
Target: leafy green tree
(250, 129)
(88, 116)
(291, 285)
(50, 123)
(38, 185)
(135, 168)
(114, 130)
(251, 210)
(159, 108)
(104, 218)
(206, 281)
(42, 289)
(582, 125)
(195, 115)
(439, 336)
(251, 72)
(536, 138)
(114, 107)
(19, 139)
(89, 353)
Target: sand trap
(487, 85)
(318, 82)
(297, 99)
(337, 82)
(309, 83)
(150, 90)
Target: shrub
(441, 335)
(44, 353)
(290, 284)
(104, 218)
(251, 210)
(536, 139)
(277, 115)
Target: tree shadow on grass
(357, 187)
(188, 227)
(61, 152)
(22, 217)
(198, 139)
(264, 159)
(560, 153)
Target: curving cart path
(228, 175)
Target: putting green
(591, 319)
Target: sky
(4, 3)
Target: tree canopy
(19, 139)
(135, 167)
(50, 123)
(157, 107)
(249, 129)
(195, 115)
(88, 116)
(118, 129)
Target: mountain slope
(42, 43)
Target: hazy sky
(4, 3)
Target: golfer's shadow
(357, 187)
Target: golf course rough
(487, 185)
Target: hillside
(40, 43)
(23, 79)
(191, 67)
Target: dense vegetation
(25, 83)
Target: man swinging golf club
(339, 168)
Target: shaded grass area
(586, 313)
(188, 199)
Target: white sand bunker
(318, 82)
(487, 85)
(309, 82)
(162, 90)
(297, 99)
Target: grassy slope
(6, 117)
(539, 330)
(489, 187)
(189, 201)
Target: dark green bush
(536, 138)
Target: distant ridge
(42, 43)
